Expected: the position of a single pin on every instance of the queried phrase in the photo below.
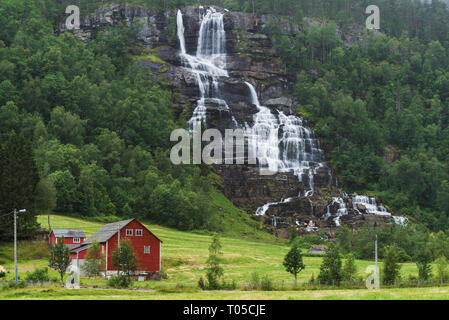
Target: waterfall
(282, 142)
(311, 207)
(180, 27)
(209, 63)
(370, 204)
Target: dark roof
(68, 233)
(81, 248)
(72, 246)
(105, 233)
(110, 229)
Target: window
(129, 232)
(76, 240)
(102, 249)
(146, 249)
(139, 232)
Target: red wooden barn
(147, 246)
(72, 237)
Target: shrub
(391, 267)
(403, 256)
(119, 281)
(254, 282)
(442, 269)
(14, 285)
(40, 275)
(267, 284)
(202, 283)
(232, 285)
(2, 274)
(163, 273)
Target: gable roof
(68, 233)
(110, 229)
(80, 248)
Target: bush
(163, 273)
(119, 281)
(223, 285)
(254, 283)
(403, 256)
(2, 274)
(14, 285)
(38, 275)
(267, 284)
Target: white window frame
(145, 249)
(141, 233)
(130, 232)
(76, 240)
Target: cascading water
(283, 143)
(370, 204)
(209, 63)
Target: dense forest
(98, 130)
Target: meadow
(184, 256)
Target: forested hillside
(99, 128)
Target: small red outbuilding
(72, 237)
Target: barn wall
(147, 262)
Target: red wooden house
(72, 237)
(147, 246)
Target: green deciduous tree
(60, 258)
(124, 258)
(94, 261)
(293, 261)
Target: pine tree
(330, 270)
(391, 267)
(214, 270)
(293, 261)
(349, 271)
(423, 260)
(18, 181)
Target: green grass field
(184, 255)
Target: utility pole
(375, 247)
(16, 277)
(16, 267)
(118, 235)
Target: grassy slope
(184, 256)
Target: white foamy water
(209, 63)
(283, 143)
(370, 204)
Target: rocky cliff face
(250, 57)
